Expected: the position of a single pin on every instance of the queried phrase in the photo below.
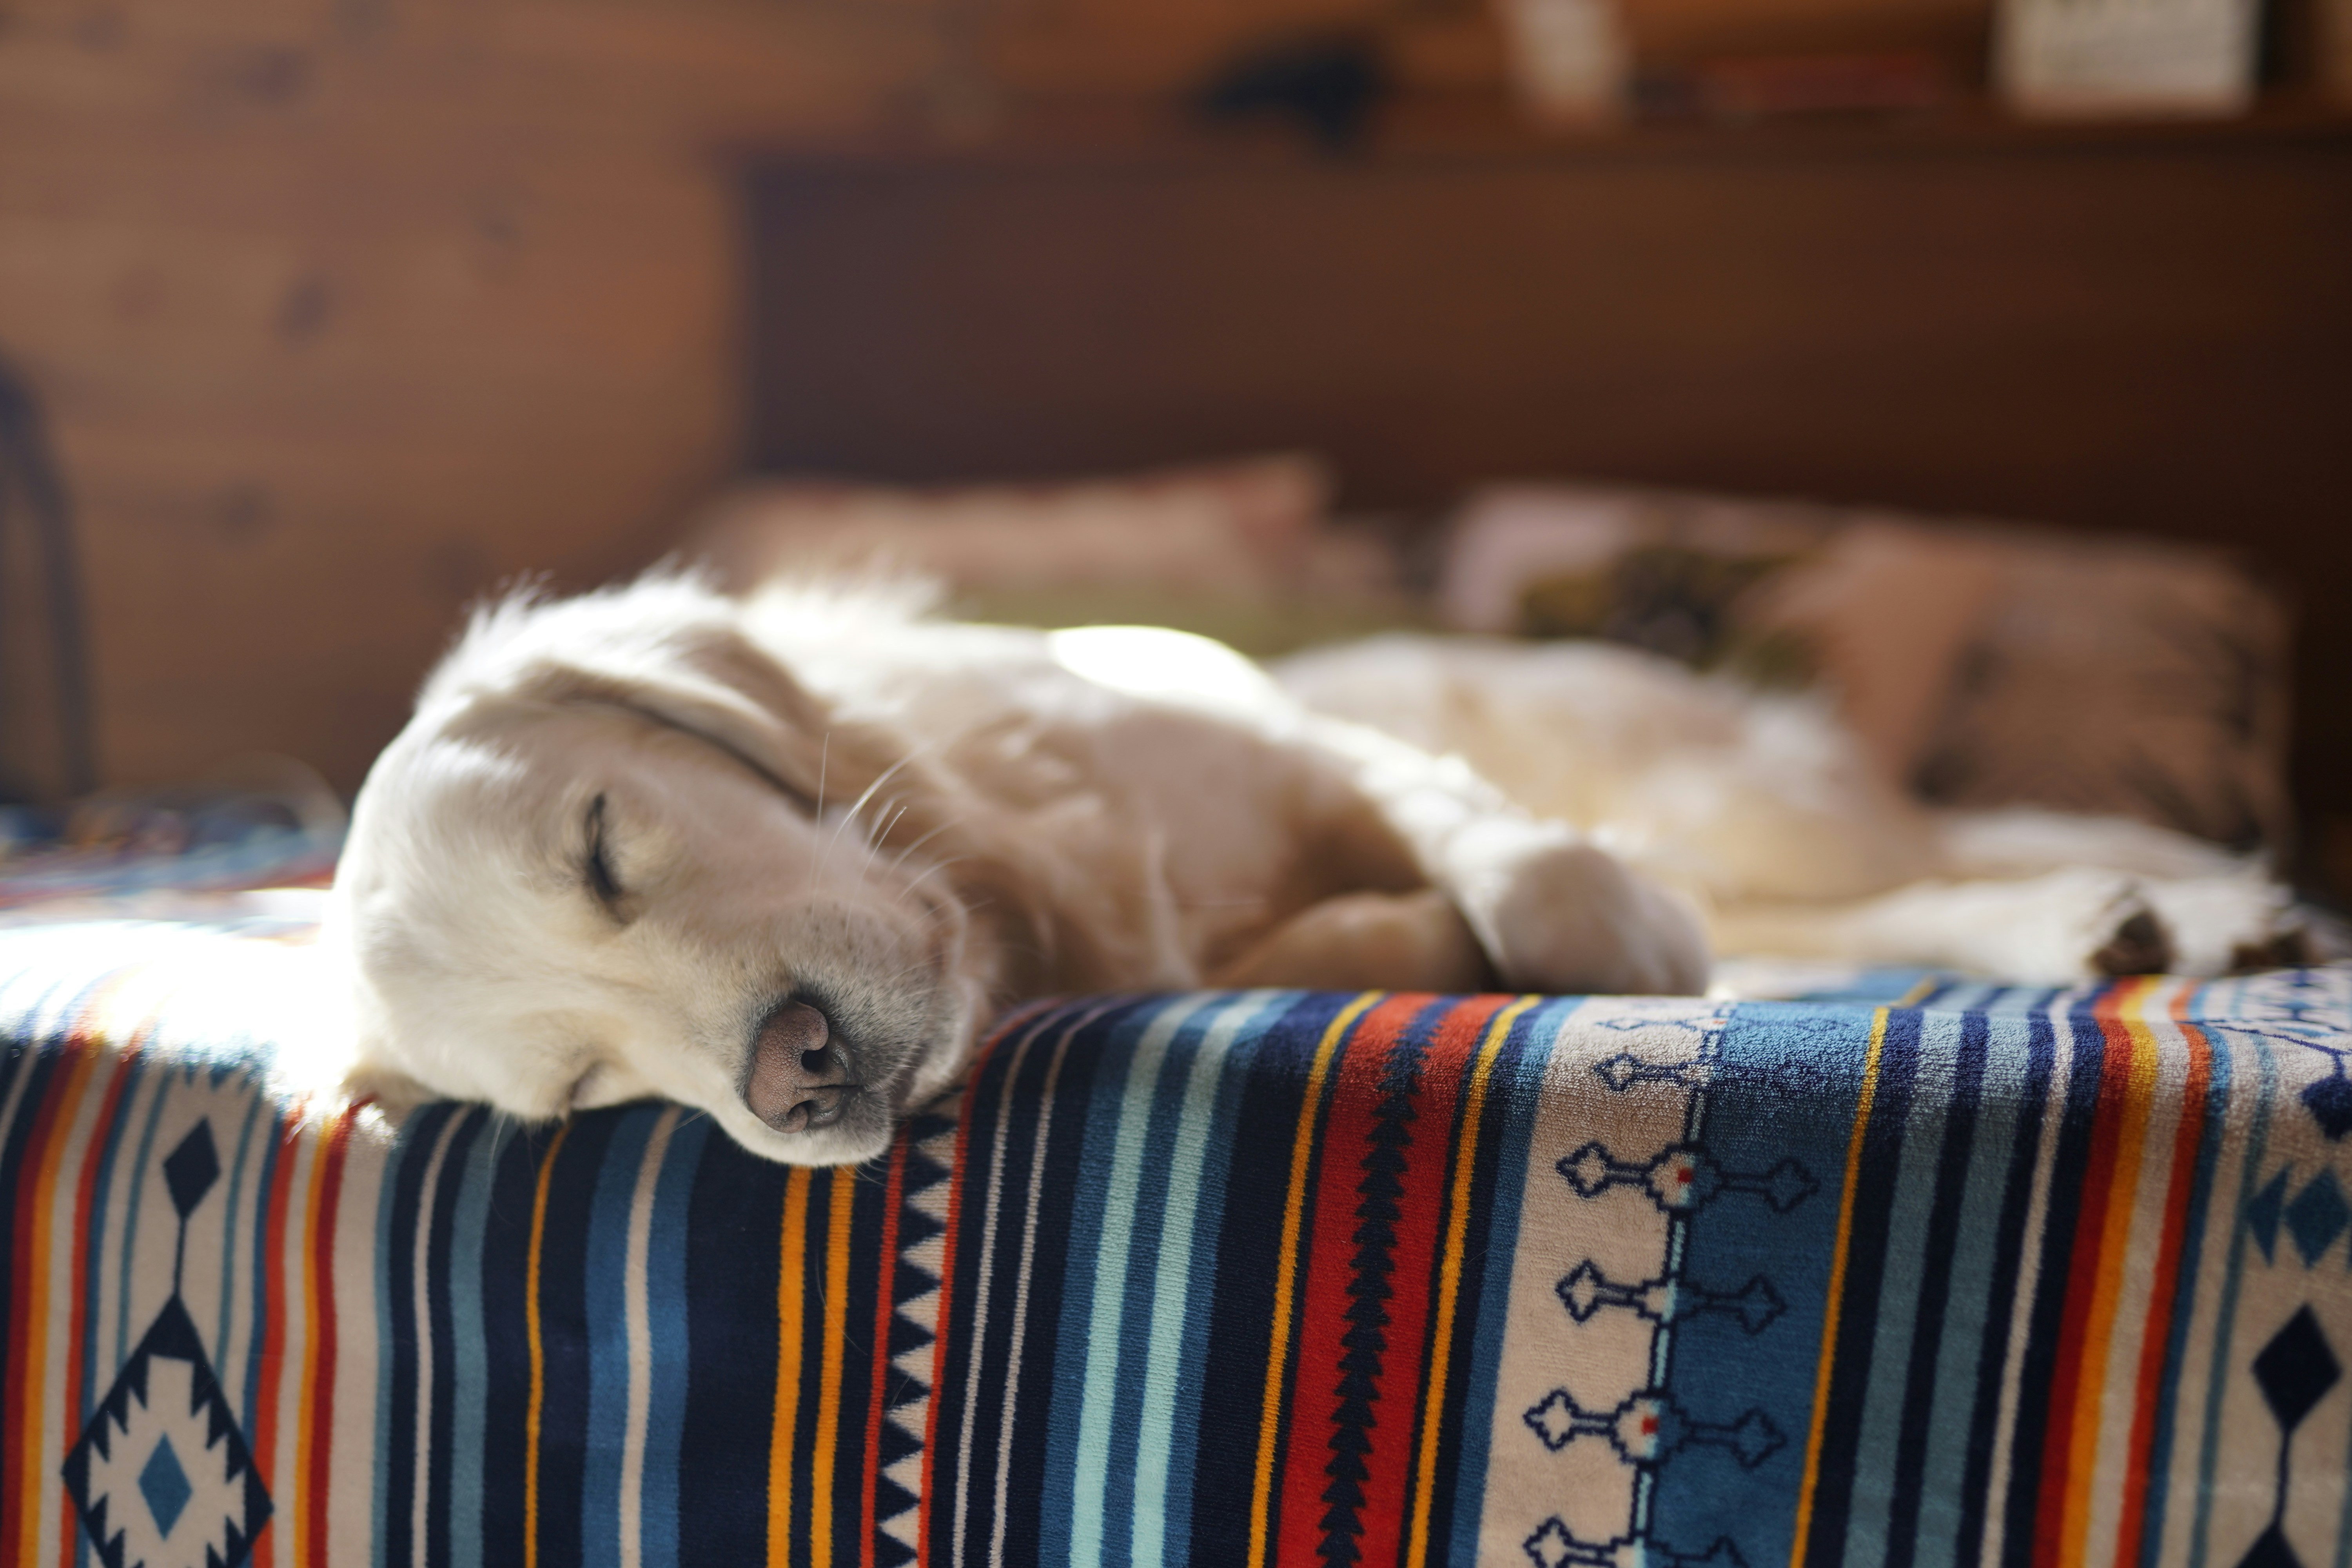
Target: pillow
(1239, 551)
(1984, 665)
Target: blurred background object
(344, 312)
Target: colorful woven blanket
(1913, 1275)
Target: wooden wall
(344, 310)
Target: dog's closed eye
(597, 871)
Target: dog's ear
(712, 682)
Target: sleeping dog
(779, 858)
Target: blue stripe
(2184, 1300)
(131, 1214)
(470, 1361)
(1098, 1478)
(229, 1226)
(1515, 1090)
(606, 1282)
(395, 1316)
(670, 1313)
(2226, 1317)
(1187, 1250)
(252, 1405)
(1905, 1266)
(2000, 1090)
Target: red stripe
(884, 1305)
(2162, 1294)
(2083, 1270)
(1329, 1270)
(1419, 1233)
(273, 1322)
(322, 1335)
(14, 1441)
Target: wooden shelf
(1481, 129)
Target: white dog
(779, 859)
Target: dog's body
(779, 858)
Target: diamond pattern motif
(2296, 1369)
(2318, 1217)
(191, 1169)
(164, 1484)
(161, 1476)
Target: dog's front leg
(1554, 910)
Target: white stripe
(1098, 1390)
(1170, 1287)
(420, 1482)
(1021, 1283)
(980, 1300)
(2028, 1274)
(641, 1342)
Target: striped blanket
(1912, 1275)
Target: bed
(1856, 1268)
(1887, 1269)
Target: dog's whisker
(825, 858)
(824, 765)
(874, 840)
(925, 838)
(918, 877)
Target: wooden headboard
(2145, 329)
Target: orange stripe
(1286, 1283)
(1465, 1161)
(1834, 1311)
(538, 1350)
(791, 1333)
(836, 1337)
(26, 1409)
(2135, 1086)
(319, 1375)
(2162, 1302)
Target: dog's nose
(800, 1074)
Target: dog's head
(619, 852)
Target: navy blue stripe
(2001, 1304)
(1873, 1208)
(444, 1370)
(734, 1265)
(405, 1167)
(1935, 1292)
(505, 1261)
(2049, 1307)
(565, 1335)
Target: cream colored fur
(1767, 815)
(623, 830)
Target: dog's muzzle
(800, 1079)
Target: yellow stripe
(837, 1336)
(1457, 1226)
(794, 1249)
(1285, 1280)
(299, 1511)
(2106, 1290)
(1837, 1289)
(537, 1356)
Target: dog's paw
(1556, 914)
(2221, 925)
